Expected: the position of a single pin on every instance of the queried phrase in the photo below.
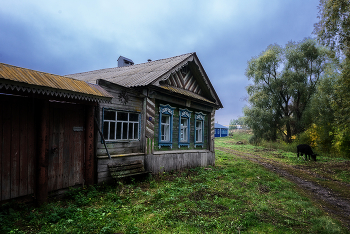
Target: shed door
(66, 147)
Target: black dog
(306, 149)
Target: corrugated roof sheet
(41, 82)
(136, 75)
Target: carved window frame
(168, 111)
(185, 115)
(199, 131)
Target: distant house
(46, 132)
(162, 113)
(220, 130)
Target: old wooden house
(46, 132)
(162, 113)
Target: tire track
(330, 201)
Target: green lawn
(235, 196)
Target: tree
(284, 80)
(334, 25)
(234, 122)
(333, 30)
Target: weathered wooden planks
(17, 146)
(120, 170)
(177, 160)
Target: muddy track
(330, 202)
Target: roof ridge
(135, 65)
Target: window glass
(112, 131)
(109, 115)
(136, 130)
(131, 130)
(122, 116)
(184, 130)
(121, 128)
(125, 130)
(199, 132)
(165, 128)
(133, 117)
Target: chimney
(122, 62)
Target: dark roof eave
(164, 91)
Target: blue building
(220, 130)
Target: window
(199, 129)
(119, 125)
(166, 113)
(165, 128)
(184, 128)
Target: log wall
(135, 102)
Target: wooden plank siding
(103, 173)
(134, 104)
(60, 147)
(17, 146)
(177, 160)
(66, 147)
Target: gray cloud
(64, 37)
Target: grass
(235, 196)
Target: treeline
(300, 91)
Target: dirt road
(338, 205)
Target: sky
(65, 37)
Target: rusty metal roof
(136, 75)
(35, 81)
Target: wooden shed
(162, 113)
(46, 132)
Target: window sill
(121, 155)
(198, 144)
(160, 145)
(184, 144)
(120, 141)
(180, 152)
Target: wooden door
(66, 146)
(17, 146)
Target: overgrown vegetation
(235, 196)
(300, 92)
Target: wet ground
(329, 194)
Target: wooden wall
(134, 104)
(103, 174)
(177, 160)
(17, 146)
(43, 146)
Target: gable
(183, 79)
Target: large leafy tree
(284, 80)
(333, 30)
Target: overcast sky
(64, 37)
